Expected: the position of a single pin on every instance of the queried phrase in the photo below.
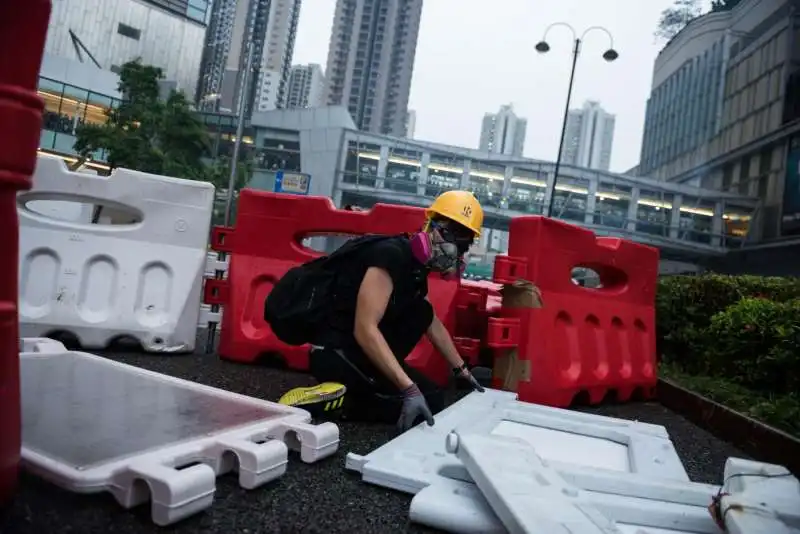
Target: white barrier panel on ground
(90, 424)
(417, 458)
(492, 464)
(103, 258)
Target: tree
(220, 172)
(146, 133)
(675, 18)
(723, 5)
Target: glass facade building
(682, 112)
(65, 108)
(198, 10)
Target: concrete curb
(755, 438)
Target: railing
(612, 218)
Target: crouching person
(372, 310)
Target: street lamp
(542, 47)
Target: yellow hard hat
(459, 206)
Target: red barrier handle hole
(214, 292)
(221, 238)
(599, 277)
(506, 333)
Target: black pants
(371, 396)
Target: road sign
(295, 183)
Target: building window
(128, 31)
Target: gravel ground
(314, 498)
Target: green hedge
(738, 332)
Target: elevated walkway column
(633, 209)
(509, 174)
(422, 181)
(675, 217)
(591, 200)
(382, 163)
(717, 224)
(465, 175)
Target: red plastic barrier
(23, 27)
(266, 243)
(583, 340)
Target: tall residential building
(306, 86)
(723, 109)
(270, 26)
(108, 33)
(589, 137)
(371, 61)
(411, 123)
(503, 132)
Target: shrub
(735, 339)
(686, 304)
(756, 343)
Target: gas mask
(441, 250)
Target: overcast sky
(475, 55)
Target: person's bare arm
(373, 297)
(443, 342)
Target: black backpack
(300, 303)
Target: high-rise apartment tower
(503, 132)
(270, 26)
(371, 61)
(306, 86)
(589, 137)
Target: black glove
(473, 382)
(414, 406)
(463, 372)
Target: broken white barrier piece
(90, 424)
(530, 496)
(571, 441)
(760, 498)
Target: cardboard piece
(507, 365)
(521, 294)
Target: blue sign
(294, 183)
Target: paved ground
(315, 498)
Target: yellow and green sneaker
(325, 397)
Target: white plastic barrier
(90, 424)
(136, 272)
(213, 265)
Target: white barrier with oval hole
(109, 258)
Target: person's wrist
(461, 369)
(405, 383)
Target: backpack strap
(349, 248)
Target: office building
(371, 61)
(724, 109)
(270, 26)
(589, 137)
(503, 132)
(411, 123)
(306, 86)
(108, 33)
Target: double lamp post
(543, 47)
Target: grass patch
(781, 411)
